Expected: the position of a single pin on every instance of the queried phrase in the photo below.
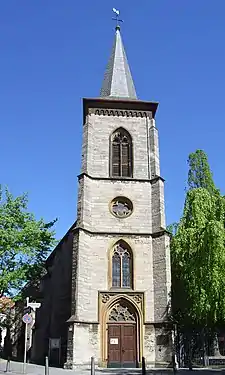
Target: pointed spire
(118, 82)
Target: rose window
(121, 207)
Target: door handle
(123, 351)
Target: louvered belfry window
(121, 154)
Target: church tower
(121, 256)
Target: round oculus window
(121, 207)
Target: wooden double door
(122, 345)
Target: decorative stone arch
(133, 314)
(111, 250)
(123, 167)
(121, 312)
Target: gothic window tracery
(122, 267)
(121, 312)
(121, 154)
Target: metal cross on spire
(117, 13)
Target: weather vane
(117, 12)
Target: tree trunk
(204, 337)
(216, 350)
(190, 353)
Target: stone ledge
(122, 179)
(114, 179)
(73, 319)
(159, 323)
(122, 234)
(161, 233)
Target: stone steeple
(118, 82)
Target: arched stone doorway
(123, 333)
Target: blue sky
(54, 52)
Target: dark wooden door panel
(114, 345)
(128, 342)
(122, 351)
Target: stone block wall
(149, 345)
(158, 205)
(93, 271)
(154, 149)
(61, 292)
(161, 276)
(163, 347)
(96, 137)
(86, 344)
(96, 199)
(55, 310)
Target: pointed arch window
(122, 266)
(121, 154)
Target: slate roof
(118, 82)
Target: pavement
(32, 369)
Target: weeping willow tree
(198, 251)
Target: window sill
(123, 289)
(121, 178)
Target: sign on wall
(114, 341)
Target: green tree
(199, 174)
(24, 243)
(197, 250)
